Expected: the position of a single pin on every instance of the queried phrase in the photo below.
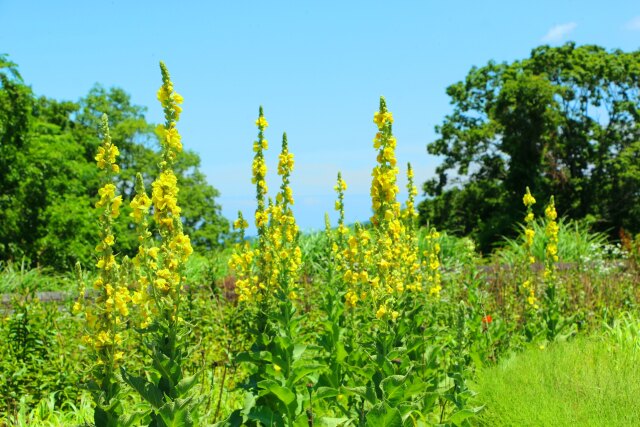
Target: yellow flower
(550, 212)
(528, 199)
(381, 118)
(77, 307)
(173, 139)
(240, 224)
(115, 206)
(529, 234)
(262, 122)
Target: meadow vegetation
(389, 322)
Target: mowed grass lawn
(585, 382)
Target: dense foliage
(565, 121)
(49, 181)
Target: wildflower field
(380, 323)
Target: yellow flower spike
(528, 199)
(382, 311)
(262, 122)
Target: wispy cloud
(633, 24)
(559, 32)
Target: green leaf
(300, 372)
(298, 351)
(367, 392)
(168, 368)
(384, 415)
(283, 394)
(458, 417)
(132, 418)
(177, 413)
(265, 416)
(393, 388)
(186, 384)
(326, 392)
(149, 391)
(341, 353)
(331, 422)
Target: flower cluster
(431, 262)
(529, 233)
(551, 231)
(171, 140)
(259, 173)
(176, 246)
(410, 213)
(273, 267)
(107, 316)
(339, 240)
(145, 263)
(381, 263)
(106, 155)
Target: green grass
(47, 413)
(18, 278)
(586, 382)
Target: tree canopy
(48, 179)
(565, 122)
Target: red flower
(487, 319)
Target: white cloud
(559, 32)
(633, 24)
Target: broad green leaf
(384, 415)
(458, 417)
(149, 391)
(326, 392)
(331, 422)
(284, 394)
(132, 418)
(177, 413)
(393, 389)
(186, 384)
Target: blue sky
(318, 68)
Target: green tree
(56, 180)
(49, 181)
(564, 121)
(15, 112)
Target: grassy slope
(586, 382)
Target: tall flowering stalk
(267, 279)
(528, 288)
(340, 188)
(106, 318)
(250, 265)
(145, 262)
(410, 213)
(345, 248)
(259, 173)
(529, 233)
(168, 392)
(386, 210)
(552, 312)
(411, 251)
(431, 263)
(283, 232)
(395, 253)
